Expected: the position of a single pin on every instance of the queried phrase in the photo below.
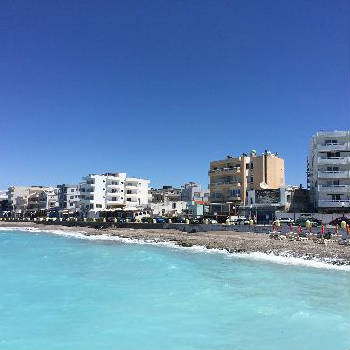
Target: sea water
(58, 292)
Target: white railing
(326, 174)
(334, 147)
(329, 203)
(333, 188)
(334, 160)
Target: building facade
(193, 192)
(68, 198)
(232, 178)
(165, 194)
(328, 171)
(112, 191)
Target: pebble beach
(232, 242)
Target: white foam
(285, 258)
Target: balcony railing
(334, 160)
(334, 147)
(329, 203)
(219, 183)
(326, 174)
(333, 188)
(224, 170)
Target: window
(98, 206)
(91, 206)
(128, 192)
(72, 190)
(247, 166)
(335, 197)
(114, 199)
(71, 197)
(331, 142)
(128, 199)
(251, 179)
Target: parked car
(212, 221)
(286, 220)
(179, 220)
(160, 220)
(338, 221)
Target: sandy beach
(232, 242)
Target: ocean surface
(59, 292)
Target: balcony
(334, 160)
(325, 203)
(225, 183)
(331, 134)
(334, 174)
(333, 188)
(224, 171)
(334, 147)
(117, 201)
(114, 185)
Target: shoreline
(235, 243)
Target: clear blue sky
(160, 88)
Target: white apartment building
(136, 192)
(329, 171)
(111, 191)
(69, 198)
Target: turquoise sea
(59, 292)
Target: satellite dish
(263, 185)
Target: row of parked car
(314, 222)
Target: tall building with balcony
(112, 191)
(231, 178)
(329, 171)
(68, 198)
(136, 192)
(101, 192)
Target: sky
(161, 88)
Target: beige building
(231, 178)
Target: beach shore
(232, 242)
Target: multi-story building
(68, 198)
(136, 192)
(42, 199)
(165, 194)
(231, 178)
(18, 198)
(23, 199)
(111, 191)
(329, 171)
(193, 192)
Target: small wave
(285, 259)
